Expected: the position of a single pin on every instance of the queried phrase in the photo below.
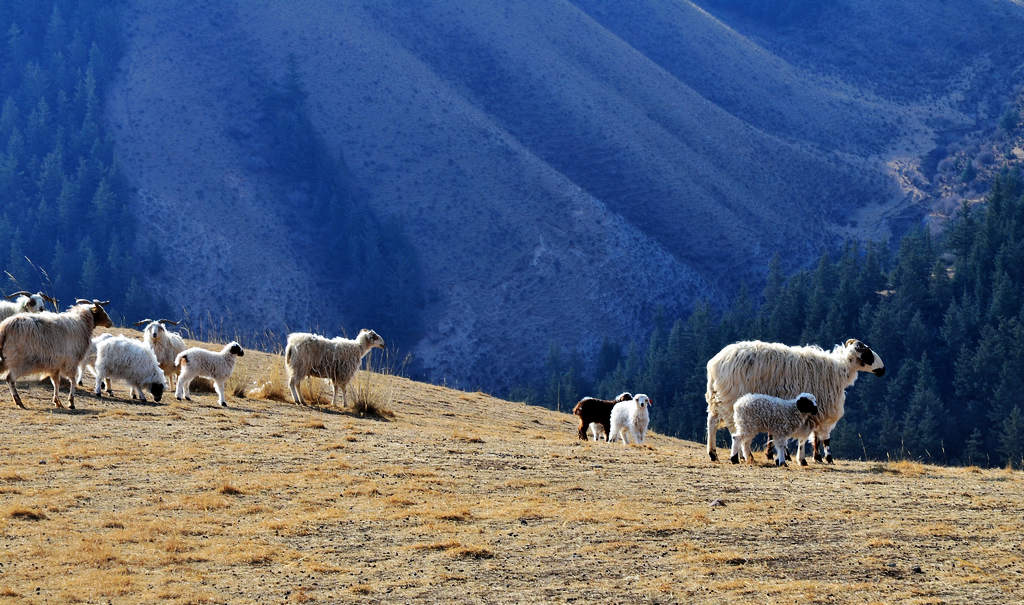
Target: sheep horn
(16, 294)
(168, 321)
(100, 302)
(51, 300)
(144, 321)
(79, 301)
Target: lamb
(783, 371)
(592, 410)
(89, 361)
(164, 343)
(131, 361)
(632, 416)
(755, 413)
(218, 365)
(48, 343)
(24, 302)
(335, 359)
(597, 430)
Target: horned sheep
(593, 411)
(631, 416)
(24, 302)
(48, 343)
(217, 365)
(129, 360)
(784, 419)
(335, 359)
(784, 371)
(165, 344)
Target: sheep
(89, 361)
(592, 410)
(131, 361)
(164, 343)
(784, 419)
(24, 302)
(335, 359)
(48, 343)
(597, 430)
(218, 365)
(631, 416)
(783, 371)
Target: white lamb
(216, 365)
(89, 361)
(632, 416)
(335, 359)
(783, 371)
(784, 419)
(129, 360)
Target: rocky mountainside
(552, 172)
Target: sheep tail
(288, 354)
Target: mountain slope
(462, 496)
(560, 170)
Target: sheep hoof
(223, 404)
(187, 398)
(713, 455)
(780, 463)
(803, 462)
(735, 459)
(79, 383)
(817, 457)
(829, 459)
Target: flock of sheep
(753, 387)
(34, 341)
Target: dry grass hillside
(461, 496)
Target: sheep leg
(55, 381)
(712, 429)
(816, 447)
(293, 383)
(99, 385)
(745, 449)
(14, 392)
(734, 456)
(218, 385)
(334, 397)
(581, 430)
(780, 452)
(801, 452)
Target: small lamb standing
(335, 359)
(164, 343)
(216, 365)
(129, 360)
(596, 415)
(784, 419)
(632, 416)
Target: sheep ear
(806, 405)
(850, 341)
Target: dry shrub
(471, 552)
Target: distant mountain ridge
(559, 170)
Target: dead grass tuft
(28, 514)
(230, 490)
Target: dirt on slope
(463, 497)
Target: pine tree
(1011, 438)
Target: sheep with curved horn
(24, 301)
(165, 344)
(52, 344)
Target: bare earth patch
(460, 496)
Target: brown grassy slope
(465, 497)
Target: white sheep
(784, 419)
(596, 429)
(89, 361)
(217, 365)
(51, 344)
(24, 302)
(129, 360)
(632, 416)
(783, 371)
(165, 344)
(335, 359)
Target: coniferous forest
(65, 224)
(945, 312)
